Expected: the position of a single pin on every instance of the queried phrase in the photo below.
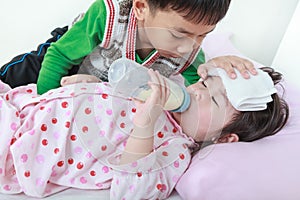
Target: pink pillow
(261, 170)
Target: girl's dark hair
(208, 12)
(250, 126)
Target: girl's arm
(140, 141)
(144, 173)
(153, 176)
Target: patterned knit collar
(131, 42)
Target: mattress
(75, 194)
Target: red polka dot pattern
(67, 141)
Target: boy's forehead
(174, 19)
(176, 22)
(200, 30)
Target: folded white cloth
(251, 94)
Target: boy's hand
(79, 78)
(228, 63)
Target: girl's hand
(228, 63)
(149, 111)
(79, 78)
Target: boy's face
(209, 111)
(169, 33)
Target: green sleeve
(190, 74)
(72, 47)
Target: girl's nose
(197, 87)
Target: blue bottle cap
(186, 102)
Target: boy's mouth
(169, 55)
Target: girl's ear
(232, 137)
(140, 9)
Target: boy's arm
(220, 52)
(71, 49)
(79, 78)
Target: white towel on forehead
(251, 94)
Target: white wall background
(287, 58)
(267, 31)
(258, 27)
(26, 23)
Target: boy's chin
(169, 55)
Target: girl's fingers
(159, 86)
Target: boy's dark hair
(250, 126)
(208, 12)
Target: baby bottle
(131, 80)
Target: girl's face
(209, 110)
(169, 33)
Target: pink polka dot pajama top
(73, 137)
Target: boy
(163, 35)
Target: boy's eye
(177, 35)
(202, 36)
(203, 83)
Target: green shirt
(80, 41)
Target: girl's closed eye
(214, 100)
(212, 97)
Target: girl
(84, 137)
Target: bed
(274, 174)
(74, 194)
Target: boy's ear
(231, 137)
(140, 8)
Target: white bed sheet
(75, 194)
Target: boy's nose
(186, 46)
